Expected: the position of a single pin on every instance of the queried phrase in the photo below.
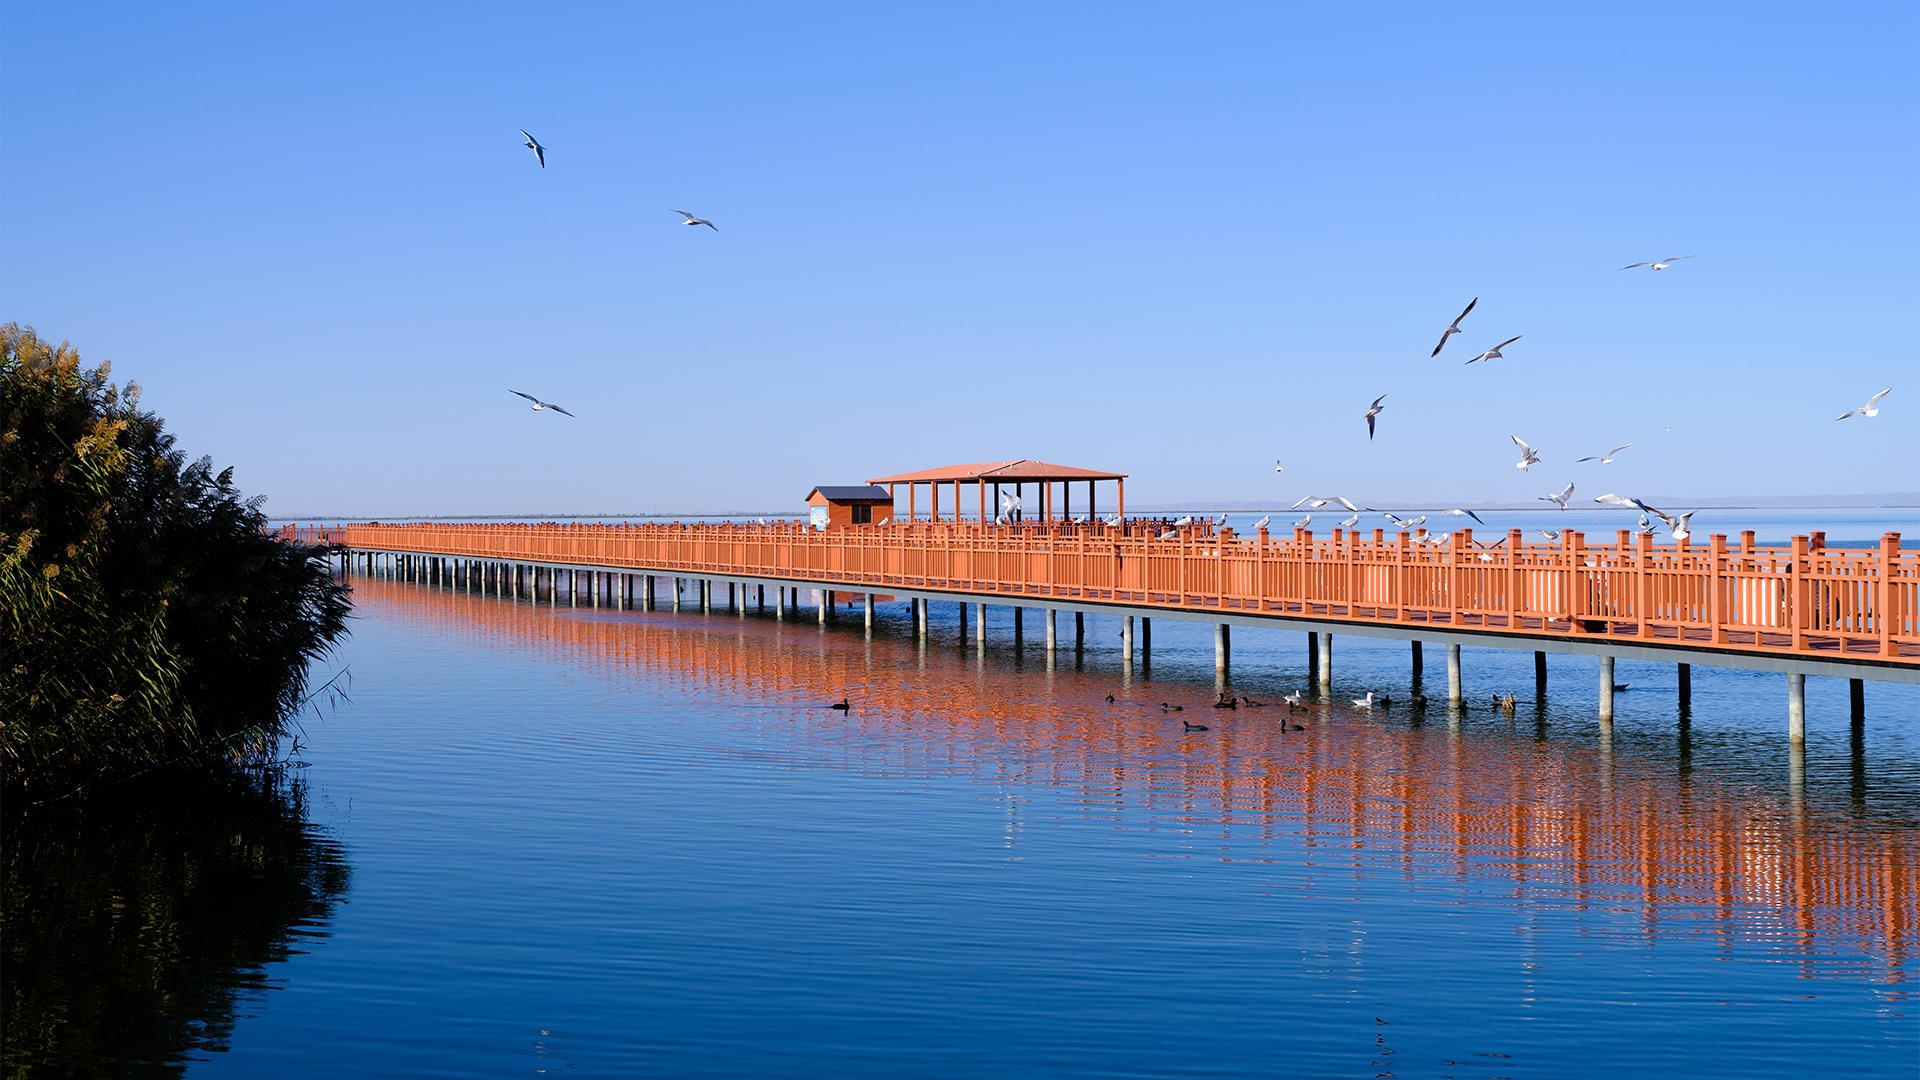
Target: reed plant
(147, 617)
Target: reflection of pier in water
(1569, 827)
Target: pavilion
(1017, 474)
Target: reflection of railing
(1805, 599)
(1593, 826)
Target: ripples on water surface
(618, 844)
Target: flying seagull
(1460, 511)
(1559, 498)
(533, 144)
(1373, 411)
(1528, 455)
(1452, 329)
(1660, 264)
(538, 404)
(1870, 409)
(691, 220)
(1318, 501)
(1495, 353)
(1550, 534)
(1277, 467)
(1606, 458)
(1610, 499)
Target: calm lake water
(593, 843)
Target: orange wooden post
(1716, 589)
(1642, 605)
(1796, 604)
(1883, 611)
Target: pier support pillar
(1539, 676)
(1453, 675)
(980, 623)
(1419, 662)
(1326, 663)
(1146, 640)
(1126, 639)
(1685, 674)
(706, 596)
(760, 596)
(1079, 630)
(779, 601)
(1606, 689)
(1796, 709)
(1222, 645)
(676, 594)
(1856, 700)
(920, 621)
(1052, 637)
(1313, 656)
(1019, 623)
(826, 605)
(867, 610)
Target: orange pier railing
(1802, 600)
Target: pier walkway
(1804, 609)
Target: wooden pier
(1803, 609)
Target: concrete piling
(1606, 689)
(1796, 708)
(1222, 643)
(1453, 675)
(1326, 663)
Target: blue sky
(1178, 243)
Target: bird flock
(1529, 456)
(1677, 524)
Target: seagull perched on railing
(1350, 522)
(1219, 521)
(691, 220)
(1373, 410)
(1403, 524)
(1114, 521)
(1495, 353)
(539, 405)
(1559, 498)
(1262, 523)
(1646, 524)
(1461, 511)
(1870, 409)
(1184, 521)
(1169, 534)
(1550, 534)
(533, 144)
(1606, 458)
(1452, 329)
(1303, 522)
(1658, 264)
(1528, 455)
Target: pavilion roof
(1024, 469)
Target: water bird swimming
(1495, 353)
(1560, 497)
(1365, 702)
(1452, 328)
(533, 144)
(1188, 725)
(691, 220)
(1226, 701)
(1870, 409)
(1373, 410)
(1658, 264)
(1293, 700)
(1528, 455)
(539, 405)
(1606, 458)
(1164, 707)
(843, 705)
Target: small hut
(830, 506)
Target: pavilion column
(1121, 498)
